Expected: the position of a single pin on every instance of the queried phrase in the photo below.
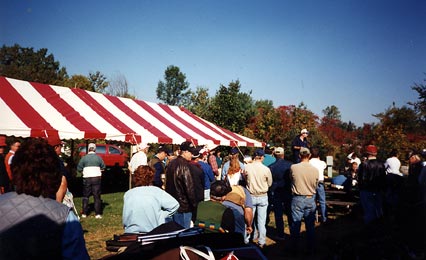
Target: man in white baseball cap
(139, 158)
(299, 142)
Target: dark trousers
(92, 186)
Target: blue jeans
(371, 203)
(320, 196)
(260, 204)
(92, 185)
(303, 207)
(183, 219)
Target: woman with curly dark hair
(146, 206)
(34, 225)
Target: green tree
(265, 124)
(199, 102)
(349, 126)
(230, 108)
(26, 64)
(332, 112)
(78, 81)
(420, 105)
(174, 90)
(403, 117)
(398, 129)
(98, 82)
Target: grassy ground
(344, 237)
(97, 231)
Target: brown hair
(143, 176)
(234, 164)
(36, 169)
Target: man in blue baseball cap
(259, 179)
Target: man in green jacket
(91, 165)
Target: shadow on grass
(344, 236)
(114, 180)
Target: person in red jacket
(8, 159)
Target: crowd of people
(195, 187)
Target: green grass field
(97, 231)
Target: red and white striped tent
(31, 109)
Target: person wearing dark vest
(33, 224)
(212, 215)
(156, 163)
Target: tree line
(401, 128)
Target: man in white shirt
(320, 192)
(139, 158)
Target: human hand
(249, 230)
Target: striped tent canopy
(31, 109)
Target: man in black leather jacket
(180, 184)
(372, 183)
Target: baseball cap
(92, 146)
(304, 151)
(234, 150)
(259, 152)
(164, 149)
(279, 150)
(371, 149)
(142, 146)
(196, 152)
(304, 131)
(187, 146)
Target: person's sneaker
(83, 215)
(98, 216)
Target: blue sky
(359, 55)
